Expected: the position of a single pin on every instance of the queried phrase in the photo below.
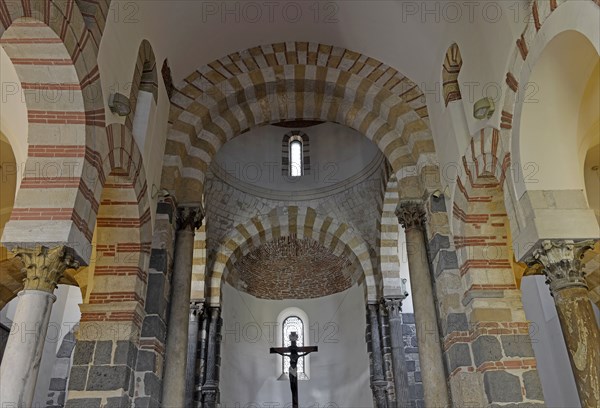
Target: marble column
(378, 381)
(394, 315)
(411, 216)
(196, 314)
(188, 220)
(210, 388)
(18, 375)
(561, 262)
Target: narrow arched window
(295, 160)
(293, 324)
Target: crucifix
(294, 353)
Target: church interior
(409, 190)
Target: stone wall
(413, 367)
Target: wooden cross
(294, 353)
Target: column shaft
(202, 359)
(398, 358)
(174, 383)
(388, 365)
(378, 383)
(580, 331)
(561, 261)
(21, 362)
(210, 388)
(192, 352)
(412, 217)
(23, 353)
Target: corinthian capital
(44, 266)
(561, 263)
(189, 218)
(411, 214)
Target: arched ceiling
(409, 36)
(291, 268)
(339, 157)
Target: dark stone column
(561, 261)
(188, 220)
(210, 388)
(388, 366)
(394, 314)
(378, 381)
(411, 216)
(202, 346)
(196, 315)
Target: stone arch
(61, 127)
(145, 78)
(113, 312)
(450, 71)
(304, 222)
(549, 20)
(487, 317)
(123, 225)
(95, 13)
(289, 81)
(389, 235)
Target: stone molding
(45, 266)
(393, 304)
(411, 215)
(189, 218)
(561, 263)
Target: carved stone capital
(411, 214)
(196, 309)
(45, 266)
(393, 306)
(189, 218)
(561, 263)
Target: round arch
(304, 222)
(54, 56)
(282, 82)
(550, 21)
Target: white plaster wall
(339, 371)
(549, 126)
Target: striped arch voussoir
(290, 81)
(145, 78)
(302, 222)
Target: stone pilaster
(21, 362)
(174, 384)
(378, 381)
(411, 215)
(393, 307)
(561, 262)
(210, 388)
(196, 317)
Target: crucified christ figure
(294, 353)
